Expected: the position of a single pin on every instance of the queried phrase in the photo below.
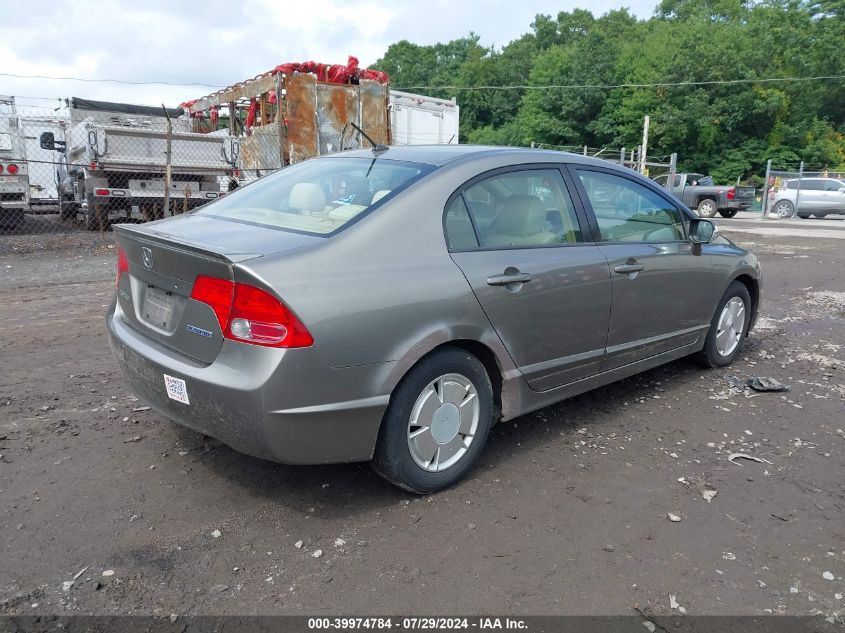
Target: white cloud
(220, 43)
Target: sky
(220, 43)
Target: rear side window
(460, 234)
(807, 184)
(318, 196)
(628, 212)
(515, 209)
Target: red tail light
(101, 192)
(250, 314)
(731, 193)
(218, 294)
(1, 169)
(122, 265)
(12, 169)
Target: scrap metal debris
(764, 383)
(709, 494)
(734, 456)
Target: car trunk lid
(163, 261)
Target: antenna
(377, 147)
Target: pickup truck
(697, 191)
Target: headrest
(307, 196)
(520, 215)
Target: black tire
(710, 355)
(707, 208)
(96, 219)
(784, 209)
(11, 219)
(67, 209)
(393, 460)
(728, 213)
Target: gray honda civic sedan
(392, 305)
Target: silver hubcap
(782, 210)
(731, 325)
(443, 422)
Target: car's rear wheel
(436, 424)
(728, 327)
(728, 213)
(707, 208)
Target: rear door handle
(504, 280)
(624, 269)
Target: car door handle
(624, 269)
(509, 278)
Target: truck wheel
(784, 209)
(11, 219)
(728, 213)
(96, 218)
(67, 209)
(707, 208)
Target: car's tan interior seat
(378, 195)
(308, 197)
(521, 222)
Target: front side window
(317, 196)
(516, 209)
(834, 185)
(628, 212)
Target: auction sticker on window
(176, 389)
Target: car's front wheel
(436, 424)
(784, 209)
(728, 327)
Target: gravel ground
(110, 509)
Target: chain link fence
(651, 166)
(805, 192)
(89, 164)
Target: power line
(661, 84)
(112, 81)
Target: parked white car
(811, 197)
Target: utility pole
(167, 164)
(645, 145)
(766, 189)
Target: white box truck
(422, 120)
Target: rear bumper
(739, 205)
(127, 198)
(284, 405)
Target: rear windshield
(318, 196)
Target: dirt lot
(108, 508)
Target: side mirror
(841, 189)
(47, 141)
(701, 231)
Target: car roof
(440, 155)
